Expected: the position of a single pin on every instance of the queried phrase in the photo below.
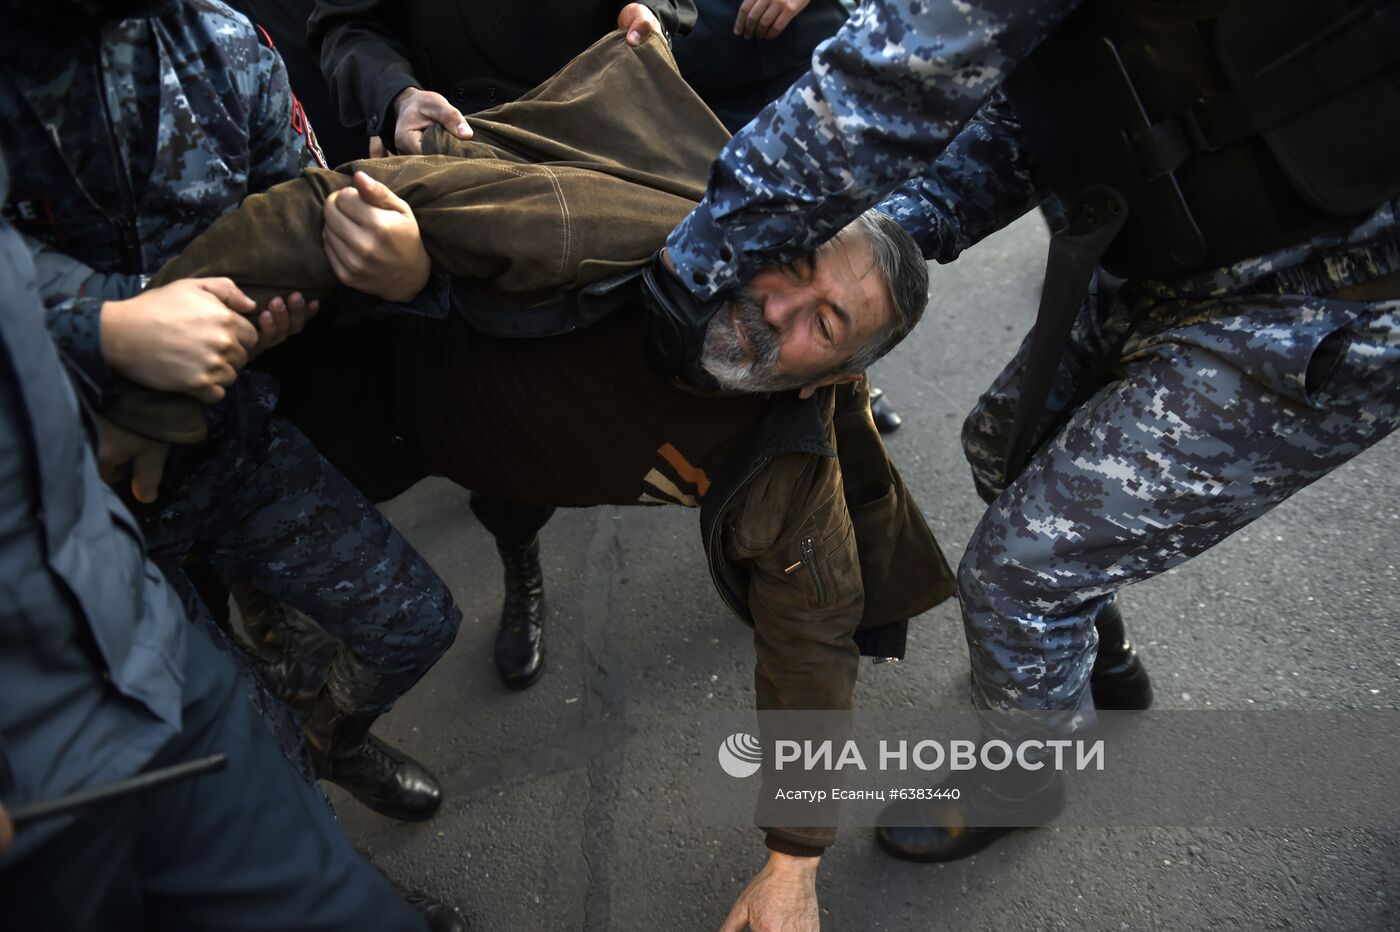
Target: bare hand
(188, 336)
(282, 319)
(782, 898)
(418, 109)
(376, 148)
(639, 22)
(117, 447)
(372, 241)
(766, 19)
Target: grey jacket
(92, 639)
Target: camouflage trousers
(257, 501)
(1179, 415)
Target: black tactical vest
(1230, 127)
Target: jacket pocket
(822, 557)
(814, 569)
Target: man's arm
(792, 532)
(794, 535)
(372, 82)
(677, 17)
(365, 64)
(984, 180)
(60, 277)
(884, 98)
(280, 140)
(371, 79)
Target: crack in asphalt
(606, 710)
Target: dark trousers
(253, 847)
(339, 387)
(513, 524)
(258, 502)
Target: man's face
(794, 325)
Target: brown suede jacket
(811, 535)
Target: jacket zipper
(809, 558)
(714, 532)
(126, 225)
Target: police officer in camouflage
(130, 127)
(1248, 199)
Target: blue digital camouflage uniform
(885, 96)
(126, 140)
(1185, 409)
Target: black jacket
(735, 76)
(476, 54)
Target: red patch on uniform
(302, 127)
(32, 214)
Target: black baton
(50, 808)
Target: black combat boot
(385, 780)
(291, 653)
(887, 421)
(1119, 681)
(947, 830)
(520, 640)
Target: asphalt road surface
(570, 806)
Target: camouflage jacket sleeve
(60, 277)
(72, 294)
(280, 141)
(985, 179)
(75, 328)
(884, 98)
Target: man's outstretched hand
(638, 22)
(372, 241)
(782, 898)
(416, 110)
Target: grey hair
(902, 265)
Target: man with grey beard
(811, 536)
(794, 327)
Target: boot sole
(520, 684)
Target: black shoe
(930, 831)
(886, 420)
(1119, 681)
(387, 781)
(520, 639)
(931, 844)
(439, 916)
(292, 654)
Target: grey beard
(723, 356)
